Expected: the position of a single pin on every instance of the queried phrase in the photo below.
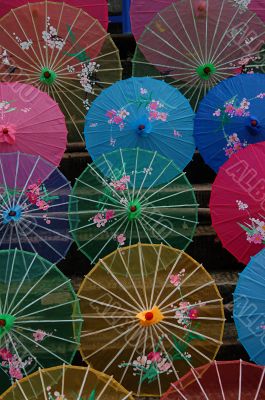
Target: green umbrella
(40, 320)
(130, 196)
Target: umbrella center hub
(5, 131)
(253, 125)
(6, 323)
(12, 215)
(48, 76)
(206, 71)
(134, 210)
(143, 127)
(150, 317)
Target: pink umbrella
(96, 8)
(31, 122)
(258, 6)
(238, 202)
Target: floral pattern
(25, 45)
(176, 279)
(254, 228)
(145, 100)
(101, 219)
(150, 366)
(231, 109)
(121, 184)
(40, 335)
(56, 395)
(12, 364)
(51, 38)
(87, 76)
(234, 145)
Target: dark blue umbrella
(231, 116)
(144, 113)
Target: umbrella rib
(131, 357)
(146, 173)
(212, 60)
(121, 350)
(41, 297)
(102, 303)
(260, 384)
(16, 352)
(192, 305)
(130, 277)
(103, 181)
(83, 383)
(178, 391)
(190, 293)
(4, 181)
(167, 227)
(163, 187)
(157, 178)
(47, 229)
(176, 288)
(21, 390)
(189, 345)
(21, 284)
(42, 384)
(97, 190)
(144, 351)
(199, 384)
(53, 64)
(120, 284)
(109, 343)
(150, 329)
(165, 351)
(46, 309)
(155, 275)
(9, 280)
(196, 30)
(50, 60)
(168, 197)
(140, 255)
(219, 379)
(215, 30)
(169, 216)
(102, 232)
(42, 347)
(37, 37)
(193, 332)
(107, 329)
(113, 294)
(67, 111)
(55, 337)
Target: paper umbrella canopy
(61, 50)
(149, 329)
(249, 312)
(195, 44)
(230, 117)
(33, 206)
(221, 380)
(67, 382)
(96, 8)
(40, 320)
(145, 113)
(237, 203)
(31, 122)
(130, 196)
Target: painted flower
(5, 354)
(163, 116)
(39, 335)
(193, 313)
(143, 91)
(154, 356)
(260, 96)
(242, 206)
(217, 113)
(154, 105)
(110, 114)
(121, 238)
(15, 373)
(256, 238)
(245, 104)
(177, 133)
(109, 214)
(175, 279)
(7, 134)
(99, 220)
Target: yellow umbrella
(151, 313)
(66, 383)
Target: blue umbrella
(145, 113)
(231, 116)
(249, 308)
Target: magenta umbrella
(96, 8)
(31, 122)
